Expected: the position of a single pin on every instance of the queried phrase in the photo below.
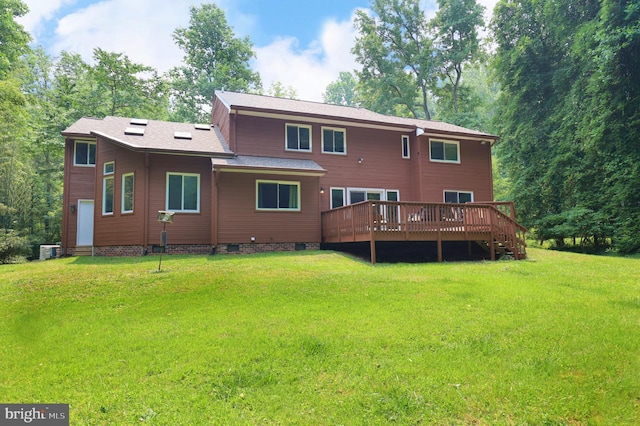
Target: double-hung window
(298, 137)
(334, 141)
(183, 192)
(84, 154)
(108, 169)
(277, 195)
(442, 151)
(337, 197)
(127, 193)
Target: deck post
(439, 222)
(372, 234)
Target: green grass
(320, 338)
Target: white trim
(387, 191)
(445, 141)
(181, 210)
(334, 129)
(104, 195)
(457, 192)
(286, 137)
(278, 182)
(380, 191)
(88, 142)
(404, 138)
(344, 198)
(133, 196)
(104, 168)
(291, 117)
(479, 138)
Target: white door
(85, 223)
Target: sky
(304, 44)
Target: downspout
(145, 213)
(65, 197)
(214, 210)
(419, 131)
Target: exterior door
(85, 223)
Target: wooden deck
(492, 225)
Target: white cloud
(309, 70)
(39, 12)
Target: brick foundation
(264, 247)
(198, 249)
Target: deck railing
(493, 223)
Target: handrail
(368, 220)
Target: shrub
(13, 247)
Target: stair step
(83, 251)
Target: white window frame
(437, 160)
(133, 193)
(405, 141)
(344, 201)
(182, 210)
(458, 194)
(278, 182)
(366, 191)
(89, 144)
(104, 168)
(334, 129)
(286, 137)
(386, 194)
(104, 195)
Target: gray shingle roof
(282, 105)
(158, 135)
(248, 162)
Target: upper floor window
(444, 151)
(277, 195)
(298, 137)
(406, 153)
(107, 195)
(334, 141)
(458, 197)
(183, 192)
(109, 168)
(84, 154)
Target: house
(266, 174)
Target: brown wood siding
(381, 150)
(187, 228)
(119, 228)
(473, 174)
(80, 184)
(220, 117)
(239, 220)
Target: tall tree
(214, 59)
(398, 58)
(456, 26)
(342, 91)
(126, 88)
(13, 37)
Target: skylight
(202, 127)
(182, 135)
(134, 131)
(139, 121)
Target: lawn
(321, 338)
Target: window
(359, 195)
(109, 168)
(444, 151)
(337, 197)
(458, 197)
(393, 195)
(406, 153)
(127, 193)
(183, 192)
(298, 137)
(275, 195)
(334, 141)
(107, 195)
(85, 154)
